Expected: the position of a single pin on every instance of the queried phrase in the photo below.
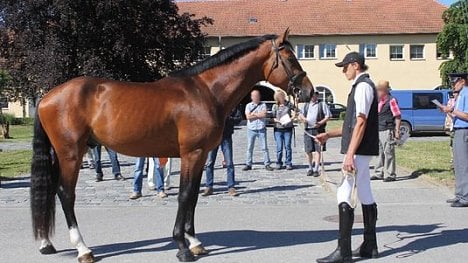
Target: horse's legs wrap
(191, 170)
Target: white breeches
(363, 187)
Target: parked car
(418, 112)
(336, 109)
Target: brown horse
(181, 115)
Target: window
(417, 52)
(368, 50)
(305, 51)
(327, 51)
(205, 53)
(396, 52)
(423, 101)
(3, 103)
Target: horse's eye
(291, 59)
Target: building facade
(397, 38)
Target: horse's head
(284, 71)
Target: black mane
(224, 56)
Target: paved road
(280, 216)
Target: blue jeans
(113, 159)
(251, 136)
(138, 175)
(283, 139)
(226, 147)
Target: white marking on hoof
(45, 242)
(77, 241)
(194, 242)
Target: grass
(334, 124)
(430, 158)
(19, 133)
(14, 163)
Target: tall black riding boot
(342, 253)
(368, 248)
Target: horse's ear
(284, 37)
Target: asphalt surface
(280, 216)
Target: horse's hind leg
(70, 162)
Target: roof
(317, 17)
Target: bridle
(294, 79)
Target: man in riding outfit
(360, 141)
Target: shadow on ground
(421, 238)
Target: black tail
(44, 181)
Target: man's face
(314, 98)
(382, 90)
(459, 84)
(350, 71)
(255, 96)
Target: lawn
(430, 158)
(19, 133)
(14, 163)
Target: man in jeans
(389, 132)
(256, 112)
(114, 162)
(226, 148)
(138, 178)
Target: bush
(6, 118)
(12, 120)
(342, 115)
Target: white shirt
(363, 97)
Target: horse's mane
(224, 56)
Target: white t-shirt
(363, 97)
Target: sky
(447, 2)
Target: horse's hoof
(47, 250)
(199, 250)
(184, 255)
(86, 258)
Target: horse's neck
(233, 81)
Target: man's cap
(353, 57)
(454, 77)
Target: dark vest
(370, 141)
(386, 119)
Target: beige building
(397, 38)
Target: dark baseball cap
(353, 57)
(454, 77)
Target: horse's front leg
(190, 176)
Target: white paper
(285, 119)
(437, 103)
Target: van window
(422, 101)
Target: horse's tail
(44, 181)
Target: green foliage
(454, 38)
(7, 118)
(342, 115)
(46, 42)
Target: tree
(4, 125)
(454, 39)
(48, 42)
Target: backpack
(320, 116)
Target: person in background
(255, 113)
(459, 113)
(448, 126)
(166, 165)
(360, 141)
(114, 162)
(283, 112)
(314, 115)
(89, 159)
(389, 133)
(138, 178)
(226, 147)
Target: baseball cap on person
(353, 57)
(454, 77)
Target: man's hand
(348, 164)
(397, 135)
(446, 109)
(322, 138)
